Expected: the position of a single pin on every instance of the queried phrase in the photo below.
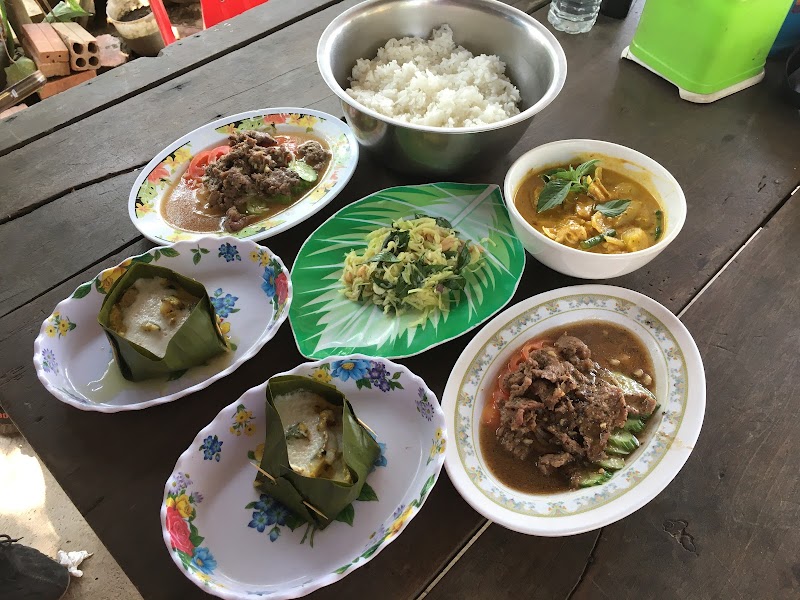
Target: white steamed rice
(434, 82)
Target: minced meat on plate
(257, 165)
(560, 408)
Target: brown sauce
(607, 342)
(184, 209)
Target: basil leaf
(428, 270)
(384, 256)
(553, 194)
(568, 175)
(399, 237)
(450, 254)
(463, 257)
(455, 283)
(613, 208)
(381, 283)
(440, 221)
(586, 168)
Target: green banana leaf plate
(325, 323)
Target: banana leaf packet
(196, 341)
(330, 497)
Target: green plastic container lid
(708, 48)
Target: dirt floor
(34, 507)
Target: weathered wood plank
(727, 527)
(129, 134)
(728, 197)
(88, 224)
(504, 565)
(144, 73)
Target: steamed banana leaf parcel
(315, 449)
(159, 323)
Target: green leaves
(560, 182)
(553, 194)
(384, 256)
(65, 11)
(194, 536)
(399, 237)
(440, 221)
(613, 208)
(19, 70)
(367, 494)
(82, 290)
(347, 515)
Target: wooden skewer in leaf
(272, 479)
(367, 427)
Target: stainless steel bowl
(535, 63)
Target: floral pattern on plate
(72, 355)
(325, 323)
(168, 166)
(258, 547)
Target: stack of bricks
(65, 52)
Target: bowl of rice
(433, 87)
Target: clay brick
(59, 84)
(84, 52)
(42, 43)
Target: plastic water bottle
(573, 16)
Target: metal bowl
(535, 63)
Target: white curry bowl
(665, 446)
(579, 263)
(238, 544)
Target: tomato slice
(197, 168)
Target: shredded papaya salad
(491, 410)
(416, 264)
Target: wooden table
(726, 527)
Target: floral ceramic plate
(157, 178)
(326, 323)
(680, 389)
(250, 291)
(235, 543)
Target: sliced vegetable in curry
(591, 208)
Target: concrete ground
(33, 506)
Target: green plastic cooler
(708, 48)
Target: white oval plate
(235, 544)
(248, 285)
(152, 184)
(680, 389)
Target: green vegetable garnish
(613, 208)
(384, 256)
(612, 463)
(399, 237)
(297, 431)
(598, 239)
(560, 182)
(659, 224)
(304, 171)
(622, 442)
(595, 478)
(440, 221)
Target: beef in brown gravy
(563, 404)
(256, 166)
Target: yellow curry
(591, 208)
